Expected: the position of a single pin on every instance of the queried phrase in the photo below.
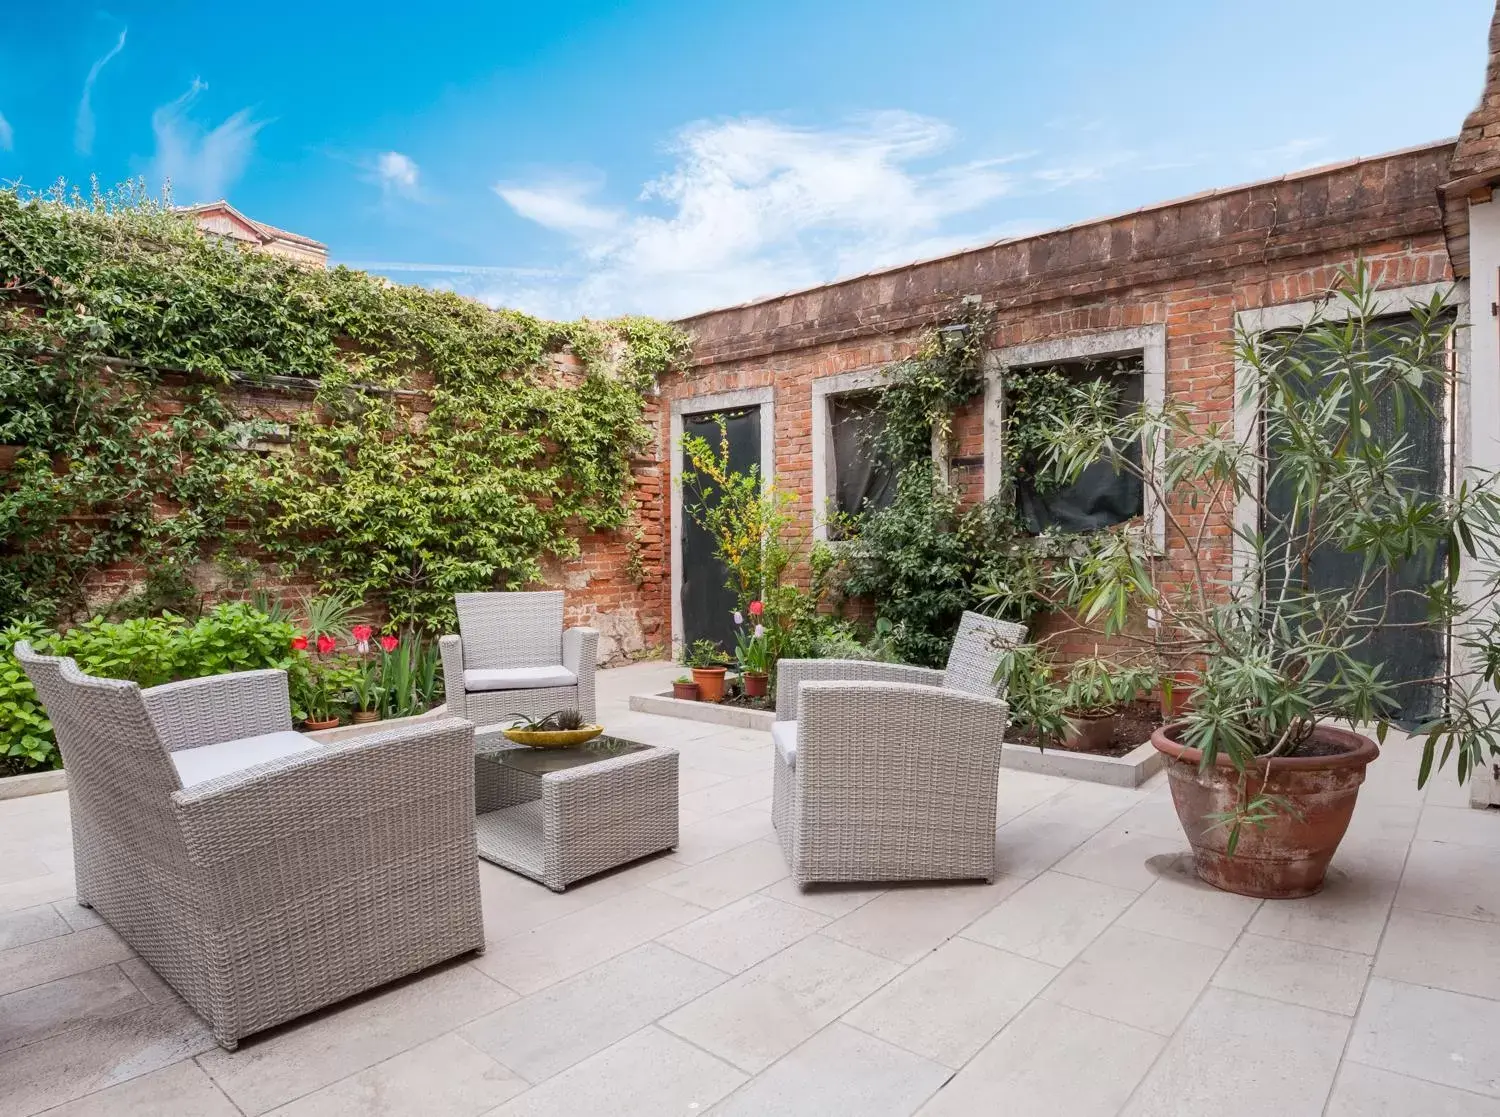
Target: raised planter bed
(716, 712)
(33, 783)
(1131, 770)
(340, 732)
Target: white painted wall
(1478, 434)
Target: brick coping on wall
(1364, 201)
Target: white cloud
(754, 207)
(83, 128)
(398, 174)
(200, 164)
(7, 135)
(559, 203)
(1293, 155)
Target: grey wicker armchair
(885, 772)
(512, 655)
(261, 873)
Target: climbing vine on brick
(446, 450)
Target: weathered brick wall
(1189, 266)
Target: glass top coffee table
(559, 815)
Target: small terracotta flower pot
(710, 682)
(1089, 732)
(755, 683)
(364, 717)
(1289, 855)
(313, 726)
(1184, 683)
(688, 692)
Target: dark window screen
(1101, 497)
(864, 479)
(1407, 649)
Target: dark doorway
(707, 602)
(1408, 649)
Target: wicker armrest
(580, 652)
(792, 673)
(580, 649)
(401, 783)
(452, 650)
(218, 708)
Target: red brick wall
(1188, 265)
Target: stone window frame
(1148, 342)
(765, 399)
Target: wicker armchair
(261, 873)
(512, 655)
(886, 772)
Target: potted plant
(1353, 554)
(684, 688)
(1091, 699)
(558, 730)
(706, 660)
(753, 652)
(365, 692)
(315, 691)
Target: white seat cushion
(519, 678)
(209, 762)
(784, 737)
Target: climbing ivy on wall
(111, 304)
(945, 372)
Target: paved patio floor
(1094, 977)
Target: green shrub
(922, 561)
(25, 731)
(147, 650)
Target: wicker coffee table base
(560, 827)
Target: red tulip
(362, 633)
(756, 608)
(326, 644)
(299, 643)
(389, 643)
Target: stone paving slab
(1094, 978)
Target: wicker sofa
(261, 873)
(885, 772)
(512, 655)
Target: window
(1102, 496)
(864, 478)
(851, 473)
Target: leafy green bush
(25, 731)
(922, 561)
(146, 650)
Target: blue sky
(665, 157)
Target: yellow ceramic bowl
(554, 738)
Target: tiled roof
(271, 232)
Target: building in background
(220, 219)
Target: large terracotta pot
(1290, 854)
